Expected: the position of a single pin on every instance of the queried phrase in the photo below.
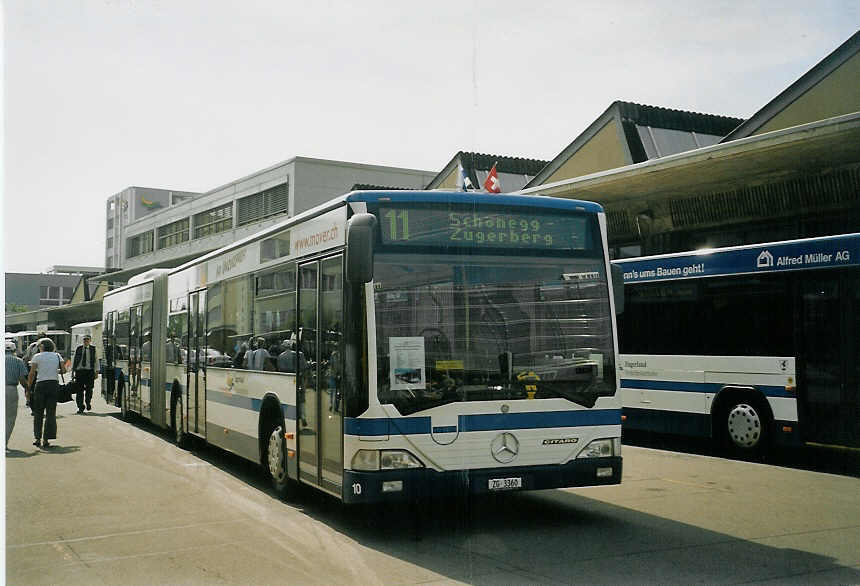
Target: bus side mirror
(618, 288)
(360, 235)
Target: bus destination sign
(502, 229)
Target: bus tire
(117, 392)
(274, 455)
(276, 461)
(179, 436)
(745, 422)
(123, 402)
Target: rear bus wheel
(176, 421)
(746, 422)
(276, 462)
(123, 402)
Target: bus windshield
(476, 327)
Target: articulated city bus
(750, 345)
(388, 345)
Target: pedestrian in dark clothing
(44, 369)
(84, 371)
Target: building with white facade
(161, 228)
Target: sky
(188, 95)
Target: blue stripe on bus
(542, 419)
(487, 422)
(691, 387)
(289, 411)
(406, 426)
(445, 429)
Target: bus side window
(122, 333)
(146, 332)
(275, 317)
(236, 302)
(176, 324)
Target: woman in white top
(44, 367)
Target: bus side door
(196, 364)
(134, 362)
(319, 385)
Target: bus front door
(196, 364)
(319, 394)
(107, 371)
(306, 377)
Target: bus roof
(790, 255)
(473, 197)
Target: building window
(140, 244)
(272, 201)
(108, 262)
(213, 221)
(50, 295)
(109, 243)
(173, 233)
(110, 223)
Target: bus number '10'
(403, 216)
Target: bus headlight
(366, 460)
(602, 448)
(394, 459)
(373, 460)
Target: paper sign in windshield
(407, 363)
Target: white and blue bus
(752, 345)
(389, 345)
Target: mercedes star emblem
(504, 447)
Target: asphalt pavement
(119, 503)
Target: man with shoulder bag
(84, 372)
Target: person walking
(44, 367)
(290, 360)
(257, 358)
(16, 372)
(84, 371)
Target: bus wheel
(276, 459)
(746, 425)
(176, 421)
(123, 402)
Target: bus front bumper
(424, 483)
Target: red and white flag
(492, 184)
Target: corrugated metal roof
(473, 162)
(659, 117)
(632, 116)
(368, 187)
(504, 164)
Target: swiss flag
(492, 183)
